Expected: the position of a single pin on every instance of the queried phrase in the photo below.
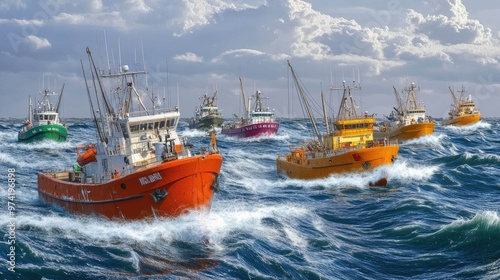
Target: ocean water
(437, 219)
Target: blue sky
(192, 47)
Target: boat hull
(168, 189)
(407, 132)
(252, 130)
(54, 132)
(463, 120)
(207, 122)
(352, 161)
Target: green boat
(208, 115)
(43, 123)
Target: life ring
(86, 157)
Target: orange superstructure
(139, 167)
(350, 147)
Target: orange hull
(463, 120)
(412, 131)
(352, 161)
(168, 189)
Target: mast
(94, 117)
(347, 111)
(455, 100)
(30, 113)
(306, 104)
(399, 110)
(59, 100)
(244, 100)
(109, 109)
(411, 97)
(325, 116)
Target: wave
(468, 129)
(476, 237)
(469, 159)
(433, 140)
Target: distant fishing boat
(349, 148)
(463, 110)
(408, 120)
(208, 115)
(43, 121)
(257, 122)
(139, 167)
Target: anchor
(366, 164)
(215, 183)
(159, 195)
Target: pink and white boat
(257, 122)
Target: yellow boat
(350, 147)
(463, 110)
(408, 121)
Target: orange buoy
(178, 148)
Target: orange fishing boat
(350, 147)
(463, 110)
(140, 167)
(408, 121)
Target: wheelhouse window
(134, 128)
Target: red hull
(252, 130)
(168, 189)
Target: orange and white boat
(350, 147)
(463, 110)
(140, 167)
(408, 121)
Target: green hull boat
(43, 122)
(54, 132)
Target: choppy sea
(438, 218)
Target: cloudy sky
(193, 46)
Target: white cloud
(244, 53)
(108, 20)
(436, 41)
(197, 13)
(138, 6)
(189, 56)
(451, 25)
(36, 43)
(6, 5)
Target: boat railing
(312, 150)
(151, 112)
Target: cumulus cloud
(189, 56)
(197, 13)
(450, 25)
(35, 43)
(435, 40)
